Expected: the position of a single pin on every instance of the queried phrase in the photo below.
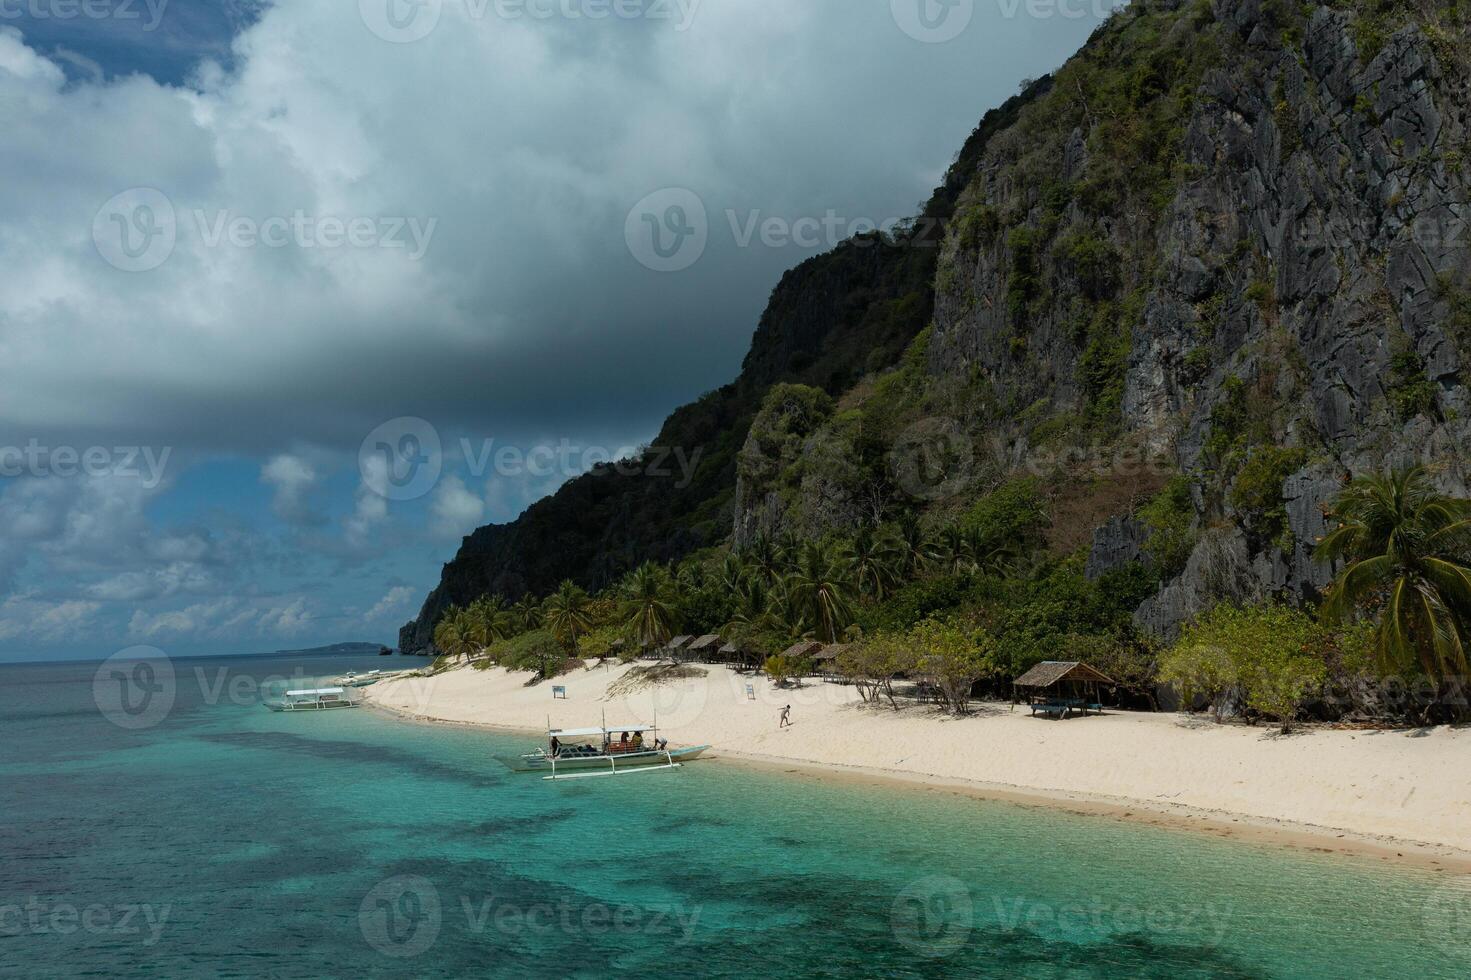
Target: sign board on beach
(750, 692)
(559, 693)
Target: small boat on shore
(576, 753)
(320, 699)
(354, 679)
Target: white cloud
(293, 479)
(46, 621)
(369, 511)
(199, 619)
(288, 620)
(525, 141)
(454, 511)
(395, 601)
(171, 579)
(222, 618)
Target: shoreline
(1175, 817)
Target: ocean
(186, 831)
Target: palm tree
(819, 593)
(648, 605)
(870, 557)
(491, 619)
(567, 614)
(952, 550)
(455, 635)
(691, 576)
(732, 573)
(992, 558)
(528, 613)
(764, 558)
(913, 548)
(1406, 546)
(789, 549)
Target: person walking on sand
(786, 717)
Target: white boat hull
(602, 764)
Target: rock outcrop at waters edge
(1230, 237)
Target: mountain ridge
(1212, 258)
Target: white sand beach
(1399, 794)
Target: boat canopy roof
(590, 732)
(310, 694)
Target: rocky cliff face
(830, 321)
(1226, 243)
(1229, 242)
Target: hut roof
(679, 643)
(710, 641)
(831, 652)
(806, 648)
(1053, 671)
(732, 647)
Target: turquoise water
(223, 840)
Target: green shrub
(1013, 516)
(1411, 392)
(1257, 493)
(977, 226)
(1271, 659)
(1095, 264)
(1022, 283)
(1170, 518)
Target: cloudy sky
(256, 253)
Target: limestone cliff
(1221, 253)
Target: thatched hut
(825, 661)
(802, 650)
(705, 648)
(1058, 688)
(735, 653)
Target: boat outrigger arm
(613, 769)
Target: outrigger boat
(354, 679)
(578, 753)
(322, 699)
